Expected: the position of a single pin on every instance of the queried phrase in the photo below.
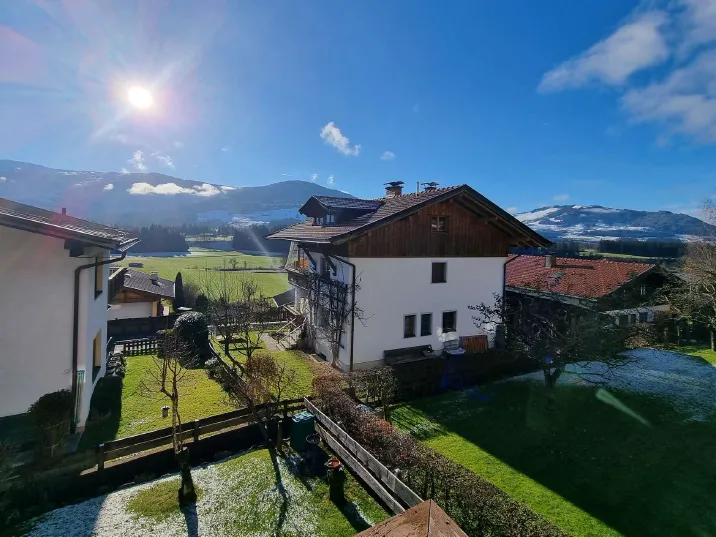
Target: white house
(136, 294)
(418, 261)
(53, 313)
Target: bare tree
(376, 384)
(166, 379)
(233, 262)
(693, 296)
(552, 334)
(253, 315)
(332, 305)
(260, 387)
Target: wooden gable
(469, 234)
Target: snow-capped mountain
(594, 222)
(133, 199)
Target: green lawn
(192, 267)
(249, 495)
(585, 466)
(201, 397)
(701, 351)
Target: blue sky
(532, 103)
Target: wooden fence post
(285, 409)
(100, 457)
(196, 431)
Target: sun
(140, 97)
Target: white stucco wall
(36, 286)
(395, 287)
(130, 310)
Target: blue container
(302, 426)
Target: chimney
(430, 187)
(393, 189)
(549, 261)
(154, 276)
(64, 210)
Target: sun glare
(140, 97)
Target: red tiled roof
(389, 209)
(585, 278)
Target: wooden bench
(408, 354)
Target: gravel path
(689, 382)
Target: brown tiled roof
(424, 520)
(584, 278)
(389, 210)
(29, 218)
(142, 282)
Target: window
(323, 315)
(426, 324)
(642, 290)
(449, 321)
(318, 220)
(98, 277)
(330, 219)
(439, 224)
(632, 318)
(409, 326)
(96, 354)
(439, 272)
(643, 316)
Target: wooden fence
(132, 347)
(385, 484)
(141, 326)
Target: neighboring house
(418, 261)
(625, 290)
(53, 276)
(137, 294)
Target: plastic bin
(302, 426)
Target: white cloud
(165, 160)
(330, 180)
(3, 179)
(171, 189)
(635, 45)
(511, 210)
(108, 186)
(314, 177)
(178, 144)
(561, 197)
(225, 149)
(387, 155)
(124, 171)
(685, 100)
(137, 161)
(333, 136)
(228, 188)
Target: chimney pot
(549, 261)
(393, 189)
(154, 276)
(430, 187)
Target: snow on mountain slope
(594, 222)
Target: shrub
(478, 507)
(213, 367)
(52, 414)
(107, 397)
(193, 330)
(202, 303)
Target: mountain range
(595, 222)
(133, 199)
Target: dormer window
(330, 219)
(318, 220)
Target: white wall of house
(36, 286)
(390, 288)
(129, 310)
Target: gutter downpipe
(353, 304)
(75, 330)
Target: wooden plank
(205, 429)
(137, 439)
(136, 448)
(364, 474)
(388, 478)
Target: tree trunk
(279, 436)
(187, 492)
(713, 339)
(550, 382)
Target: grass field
(700, 351)
(248, 495)
(193, 267)
(592, 468)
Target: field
(635, 459)
(251, 494)
(194, 263)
